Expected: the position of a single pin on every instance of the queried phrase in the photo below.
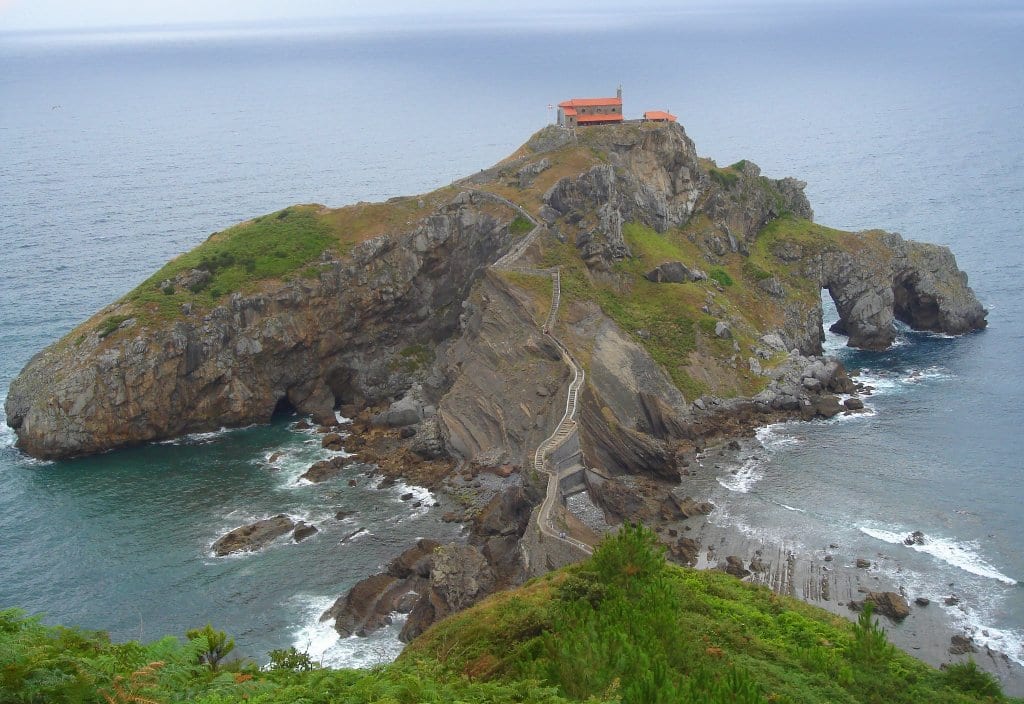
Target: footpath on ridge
(567, 427)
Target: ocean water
(122, 149)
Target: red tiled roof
(659, 115)
(589, 102)
(571, 112)
(599, 118)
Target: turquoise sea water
(121, 150)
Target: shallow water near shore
(122, 151)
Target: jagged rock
(827, 407)
(414, 562)
(674, 508)
(428, 441)
(915, 538)
(862, 563)
(323, 470)
(332, 441)
(889, 604)
(853, 404)
(734, 566)
(722, 330)
(922, 601)
(686, 551)
(961, 645)
(254, 536)
(304, 530)
(772, 286)
(460, 577)
(951, 600)
(674, 273)
(528, 173)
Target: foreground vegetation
(624, 626)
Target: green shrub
(724, 178)
(721, 276)
(754, 272)
(520, 226)
(969, 678)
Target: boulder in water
(254, 536)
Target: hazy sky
(89, 14)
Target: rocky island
(582, 319)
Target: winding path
(566, 427)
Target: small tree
(216, 644)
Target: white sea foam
(969, 616)
(340, 418)
(771, 437)
(7, 435)
(749, 473)
(961, 555)
(326, 647)
(201, 438)
(792, 508)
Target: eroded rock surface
(307, 343)
(254, 536)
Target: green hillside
(624, 626)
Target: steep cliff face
(308, 343)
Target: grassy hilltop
(624, 626)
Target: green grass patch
(110, 324)
(520, 226)
(739, 165)
(721, 276)
(755, 273)
(724, 177)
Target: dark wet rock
(304, 530)
(686, 551)
(407, 432)
(889, 604)
(759, 565)
(922, 601)
(674, 508)
(862, 563)
(961, 645)
(734, 566)
(415, 561)
(323, 470)
(407, 496)
(915, 538)
(951, 600)
(332, 441)
(353, 534)
(302, 425)
(342, 514)
(274, 457)
(853, 404)
(254, 536)
(367, 606)
(827, 407)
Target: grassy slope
(271, 248)
(622, 627)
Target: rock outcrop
(895, 279)
(308, 344)
(257, 535)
